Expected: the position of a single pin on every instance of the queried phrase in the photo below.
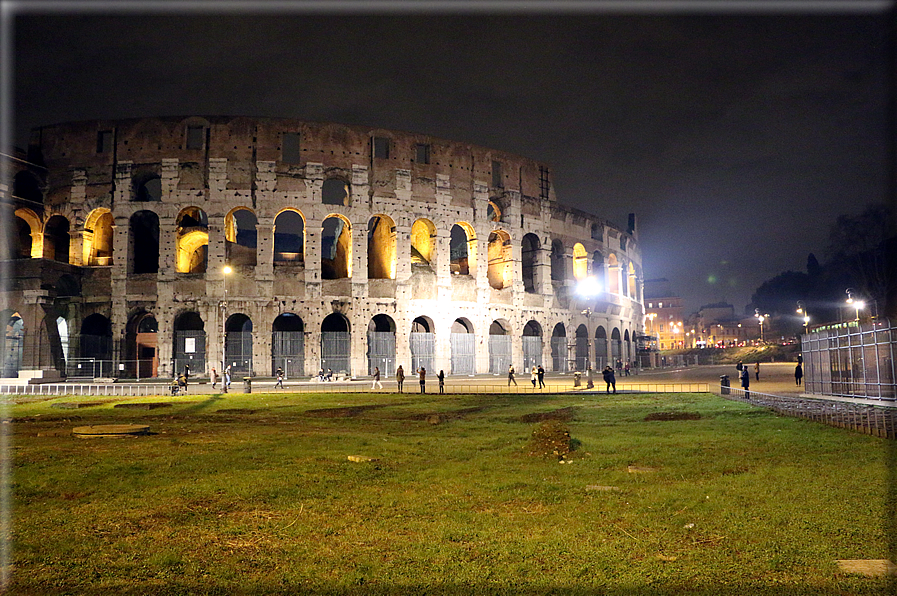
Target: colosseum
(138, 247)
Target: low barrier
(53, 389)
(878, 421)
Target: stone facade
(348, 247)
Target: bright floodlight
(588, 287)
(227, 269)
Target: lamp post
(588, 288)
(806, 316)
(760, 318)
(226, 270)
(857, 304)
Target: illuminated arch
(633, 281)
(192, 241)
(35, 245)
(57, 241)
(240, 236)
(423, 242)
(529, 257)
(580, 262)
(98, 237)
(381, 247)
(558, 269)
(493, 211)
(500, 271)
(336, 247)
(613, 274)
(463, 244)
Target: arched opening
(26, 186)
(143, 243)
(529, 257)
(240, 237)
(336, 248)
(149, 188)
(423, 245)
(632, 282)
(463, 342)
(95, 347)
(500, 271)
(423, 343)
(19, 242)
(13, 344)
(381, 248)
(289, 238)
(62, 332)
(598, 232)
(559, 348)
(56, 239)
(581, 356)
(600, 348)
(532, 345)
(189, 343)
(141, 346)
(98, 238)
(238, 344)
(336, 344)
(580, 262)
(598, 270)
(616, 346)
(613, 275)
(288, 345)
(627, 347)
(493, 211)
(499, 347)
(558, 268)
(336, 192)
(381, 344)
(192, 241)
(463, 250)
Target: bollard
(724, 385)
(576, 377)
(247, 385)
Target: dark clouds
(737, 139)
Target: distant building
(663, 314)
(716, 325)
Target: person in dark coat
(441, 378)
(422, 375)
(745, 381)
(609, 378)
(798, 373)
(540, 372)
(400, 377)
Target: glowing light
(588, 287)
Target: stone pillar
(77, 232)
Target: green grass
(223, 501)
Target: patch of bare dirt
(672, 416)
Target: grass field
(255, 494)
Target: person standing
(609, 378)
(422, 372)
(511, 376)
(798, 373)
(746, 382)
(757, 369)
(533, 376)
(226, 382)
(279, 375)
(627, 367)
(213, 377)
(441, 377)
(376, 378)
(400, 377)
(541, 373)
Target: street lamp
(760, 318)
(588, 288)
(802, 311)
(226, 271)
(857, 304)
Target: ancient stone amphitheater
(136, 247)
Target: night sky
(736, 137)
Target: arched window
(192, 241)
(27, 240)
(240, 237)
(500, 271)
(143, 243)
(336, 192)
(613, 274)
(149, 188)
(56, 239)
(529, 260)
(558, 267)
(493, 211)
(98, 238)
(289, 238)
(381, 248)
(336, 248)
(463, 249)
(423, 242)
(632, 280)
(580, 262)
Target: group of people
(213, 377)
(322, 376)
(421, 375)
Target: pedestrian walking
(226, 382)
(739, 367)
(511, 376)
(757, 370)
(626, 368)
(441, 377)
(533, 376)
(279, 375)
(609, 378)
(376, 378)
(590, 384)
(213, 376)
(422, 373)
(400, 377)
(798, 373)
(541, 373)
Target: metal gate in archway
(190, 349)
(423, 350)
(532, 351)
(288, 352)
(464, 360)
(559, 354)
(381, 351)
(336, 350)
(499, 353)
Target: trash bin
(724, 385)
(576, 377)
(247, 385)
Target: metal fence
(499, 353)
(532, 351)
(288, 353)
(381, 351)
(464, 360)
(190, 349)
(423, 350)
(87, 389)
(559, 354)
(853, 359)
(238, 352)
(582, 353)
(336, 349)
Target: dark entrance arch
(381, 344)
(238, 344)
(336, 344)
(189, 343)
(559, 348)
(423, 343)
(288, 345)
